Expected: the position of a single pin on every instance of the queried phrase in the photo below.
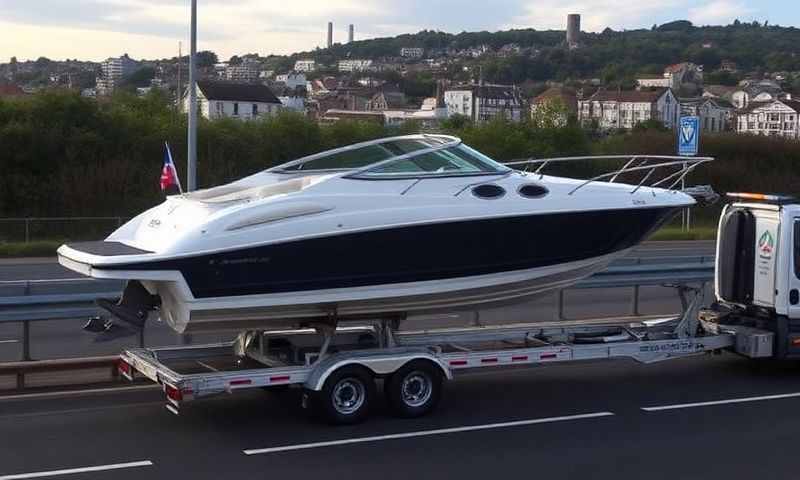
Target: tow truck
(340, 364)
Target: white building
(293, 103)
(776, 117)
(234, 100)
(247, 72)
(292, 79)
(484, 102)
(674, 76)
(429, 115)
(411, 52)
(654, 82)
(626, 109)
(305, 66)
(715, 115)
(113, 71)
(354, 65)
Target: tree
(206, 59)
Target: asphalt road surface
(65, 338)
(704, 418)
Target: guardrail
(28, 229)
(21, 369)
(628, 273)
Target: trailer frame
(367, 351)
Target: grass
(43, 248)
(677, 233)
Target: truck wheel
(415, 389)
(346, 397)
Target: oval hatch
(532, 191)
(488, 191)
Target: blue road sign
(688, 136)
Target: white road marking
(721, 402)
(9, 341)
(424, 433)
(70, 471)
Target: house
(316, 88)
(728, 66)
(559, 97)
(244, 101)
(305, 66)
(715, 114)
(113, 70)
(292, 80)
(355, 65)
(429, 115)
(387, 99)
(653, 81)
(483, 102)
(682, 73)
(336, 115)
(723, 92)
(774, 117)
(756, 91)
(246, 72)
(10, 90)
(411, 52)
(627, 108)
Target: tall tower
(330, 34)
(351, 33)
(573, 29)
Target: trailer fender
(378, 365)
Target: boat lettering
(673, 347)
(239, 261)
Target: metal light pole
(191, 170)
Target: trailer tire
(346, 396)
(415, 389)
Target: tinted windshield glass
(364, 156)
(455, 160)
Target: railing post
(635, 304)
(561, 315)
(141, 338)
(27, 230)
(26, 341)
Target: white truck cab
(757, 279)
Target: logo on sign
(766, 244)
(688, 136)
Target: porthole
(488, 191)
(532, 191)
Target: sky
(151, 29)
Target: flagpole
(191, 170)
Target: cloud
(95, 29)
(596, 15)
(719, 12)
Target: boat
(390, 227)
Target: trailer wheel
(346, 397)
(415, 389)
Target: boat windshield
(459, 160)
(359, 157)
(401, 157)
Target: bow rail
(677, 168)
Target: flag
(170, 183)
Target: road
(611, 419)
(64, 338)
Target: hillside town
(427, 86)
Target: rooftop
(237, 92)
